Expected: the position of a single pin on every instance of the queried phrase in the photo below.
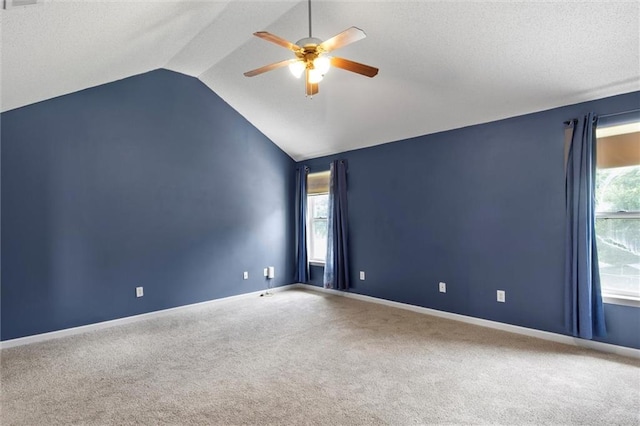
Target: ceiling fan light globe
(322, 64)
(315, 76)
(297, 68)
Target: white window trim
(618, 215)
(314, 262)
(613, 298)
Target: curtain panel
(302, 261)
(336, 269)
(584, 310)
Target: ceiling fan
(311, 59)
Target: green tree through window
(618, 230)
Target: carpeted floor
(307, 358)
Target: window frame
(317, 185)
(611, 297)
(310, 228)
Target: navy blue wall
(480, 208)
(151, 181)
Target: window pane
(618, 241)
(320, 205)
(317, 237)
(618, 189)
(320, 229)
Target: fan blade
(356, 67)
(269, 67)
(311, 88)
(277, 40)
(348, 36)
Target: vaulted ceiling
(443, 65)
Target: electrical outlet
(501, 296)
(266, 272)
(139, 292)
(442, 287)
(245, 275)
(361, 275)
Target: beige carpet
(307, 358)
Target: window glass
(318, 208)
(618, 189)
(317, 211)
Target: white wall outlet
(501, 296)
(442, 287)
(361, 275)
(266, 272)
(139, 291)
(245, 275)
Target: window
(317, 211)
(318, 208)
(618, 210)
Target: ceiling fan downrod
(309, 9)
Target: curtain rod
(619, 113)
(631, 111)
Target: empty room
(319, 212)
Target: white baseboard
(127, 320)
(554, 337)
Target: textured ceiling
(442, 64)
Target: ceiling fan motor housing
(309, 50)
(308, 41)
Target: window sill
(316, 263)
(621, 300)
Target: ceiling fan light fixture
(297, 68)
(315, 76)
(322, 64)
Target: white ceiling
(443, 64)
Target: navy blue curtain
(336, 268)
(302, 262)
(584, 308)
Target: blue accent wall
(155, 181)
(150, 181)
(480, 208)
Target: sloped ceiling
(442, 64)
